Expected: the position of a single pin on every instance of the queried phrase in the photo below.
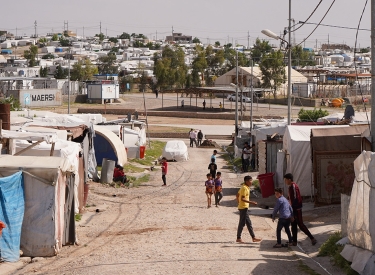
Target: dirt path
(168, 230)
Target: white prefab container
(38, 97)
(103, 91)
(303, 89)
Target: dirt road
(169, 230)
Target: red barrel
(266, 184)
(142, 150)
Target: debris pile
(209, 143)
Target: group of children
(213, 184)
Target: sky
(236, 22)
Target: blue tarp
(12, 208)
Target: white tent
(45, 190)
(361, 221)
(296, 144)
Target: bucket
(142, 150)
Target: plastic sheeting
(176, 150)
(12, 208)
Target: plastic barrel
(142, 150)
(108, 166)
(266, 184)
(5, 116)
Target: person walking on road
(214, 155)
(218, 188)
(164, 170)
(209, 183)
(243, 207)
(193, 138)
(204, 104)
(156, 93)
(213, 167)
(182, 103)
(285, 217)
(295, 201)
(200, 137)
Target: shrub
(311, 115)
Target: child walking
(209, 183)
(218, 188)
(213, 167)
(164, 170)
(285, 217)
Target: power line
(308, 17)
(335, 26)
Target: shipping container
(103, 91)
(38, 97)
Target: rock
(37, 259)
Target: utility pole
(35, 25)
(83, 36)
(248, 40)
(156, 35)
(236, 105)
(372, 129)
(100, 24)
(69, 81)
(289, 64)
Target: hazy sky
(209, 20)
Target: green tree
(107, 64)
(138, 44)
(55, 37)
(273, 70)
(60, 73)
(365, 50)
(196, 40)
(100, 36)
(217, 44)
(48, 56)
(170, 68)
(124, 35)
(113, 39)
(215, 61)
(301, 57)
(199, 66)
(311, 115)
(260, 48)
(83, 70)
(30, 55)
(43, 72)
(64, 42)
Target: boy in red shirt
(119, 175)
(295, 201)
(164, 170)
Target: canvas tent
(361, 221)
(48, 221)
(296, 145)
(108, 145)
(334, 151)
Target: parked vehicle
(232, 97)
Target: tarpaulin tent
(11, 213)
(108, 145)
(48, 221)
(361, 220)
(334, 151)
(296, 144)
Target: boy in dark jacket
(295, 201)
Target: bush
(311, 115)
(333, 250)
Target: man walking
(204, 104)
(193, 136)
(200, 137)
(243, 207)
(295, 201)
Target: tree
(199, 65)
(113, 39)
(64, 42)
(43, 72)
(311, 115)
(60, 73)
(107, 64)
(83, 70)
(170, 68)
(196, 40)
(260, 48)
(48, 56)
(301, 57)
(30, 55)
(124, 35)
(100, 36)
(55, 37)
(215, 61)
(217, 44)
(273, 70)
(138, 44)
(365, 50)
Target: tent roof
(47, 137)
(9, 161)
